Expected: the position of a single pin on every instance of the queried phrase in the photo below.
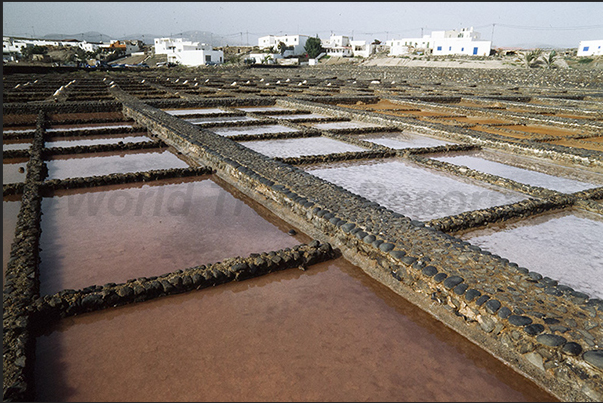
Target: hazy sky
(562, 24)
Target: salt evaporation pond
(16, 144)
(90, 127)
(119, 232)
(565, 246)
(330, 333)
(11, 172)
(342, 125)
(93, 140)
(206, 120)
(177, 112)
(252, 130)
(61, 167)
(262, 108)
(414, 191)
(521, 175)
(10, 212)
(403, 140)
(298, 147)
(299, 116)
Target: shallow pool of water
(120, 232)
(16, 144)
(298, 147)
(73, 141)
(341, 125)
(11, 172)
(526, 176)
(203, 111)
(262, 108)
(252, 130)
(564, 246)
(403, 140)
(86, 127)
(299, 116)
(414, 191)
(207, 120)
(72, 166)
(330, 333)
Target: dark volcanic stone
(408, 260)
(460, 289)
(386, 247)
(594, 357)
(517, 320)
(471, 294)
(492, 306)
(572, 348)
(551, 340)
(481, 300)
(348, 227)
(430, 271)
(453, 281)
(439, 277)
(504, 312)
(534, 329)
(369, 238)
(397, 254)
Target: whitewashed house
(187, 53)
(590, 48)
(338, 46)
(295, 43)
(451, 42)
(403, 46)
(362, 48)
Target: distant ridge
(149, 38)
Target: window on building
(462, 49)
(208, 58)
(449, 47)
(585, 49)
(439, 48)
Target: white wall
(297, 41)
(590, 48)
(451, 46)
(362, 48)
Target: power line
(552, 28)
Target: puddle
(518, 174)
(252, 130)
(11, 171)
(121, 232)
(298, 147)
(341, 125)
(72, 141)
(203, 120)
(82, 165)
(414, 191)
(564, 246)
(327, 334)
(10, 211)
(402, 140)
(177, 112)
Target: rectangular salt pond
(206, 120)
(11, 171)
(10, 212)
(341, 125)
(82, 165)
(330, 333)
(403, 140)
(252, 130)
(87, 127)
(299, 147)
(262, 108)
(24, 144)
(118, 232)
(299, 116)
(73, 141)
(521, 175)
(414, 191)
(177, 112)
(565, 246)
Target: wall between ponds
(503, 308)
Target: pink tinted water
(120, 232)
(327, 334)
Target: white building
(295, 43)
(362, 48)
(451, 42)
(590, 48)
(338, 46)
(187, 53)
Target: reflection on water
(416, 192)
(518, 174)
(10, 211)
(563, 246)
(403, 140)
(96, 237)
(298, 147)
(92, 140)
(77, 166)
(251, 130)
(330, 333)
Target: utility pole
(247, 33)
(492, 37)
(421, 32)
